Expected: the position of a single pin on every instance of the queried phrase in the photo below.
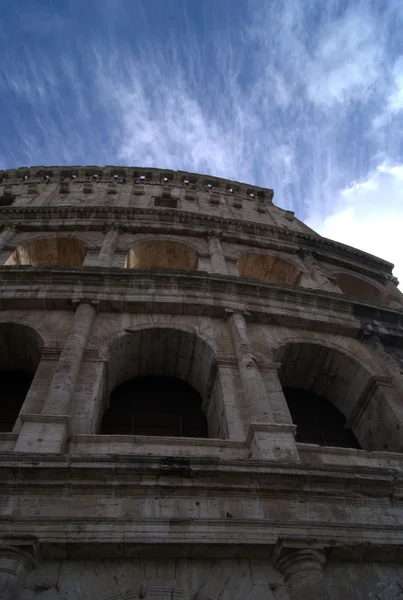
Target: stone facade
(118, 273)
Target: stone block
(43, 434)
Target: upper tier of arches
(191, 254)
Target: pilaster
(266, 439)
(216, 255)
(49, 431)
(109, 244)
(317, 275)
(390, 284)
(17, 559)
(7, 234)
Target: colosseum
(201, 397)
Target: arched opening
(160, 254)
(317, 420)
(322, 387)
(268, 268)
(163, 382)
(155, 405)
(354, 286)
(50, 252)
(19, 359)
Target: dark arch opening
(19, 359)
(155, 405)
(318, 421)
(14, 388)
(359, 288)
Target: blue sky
(303, 96)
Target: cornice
(138, 175)
(133, 219)
(190, 292)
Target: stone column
(302, 569)
(390, 283)
(7, 234)
(320, 280)
(370, 336)
(216, 255)
(16, 561)
(227, 372)
(252, 383)
(266, 439)
(108, 247)
(49, 431)
(65, 377)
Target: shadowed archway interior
(50, 252)
(322, 387)
(163, 382)
(19, 359)
(354, 286)
(161, 254)
(317, 420)
(155, 405)
(268, 268)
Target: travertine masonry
(111, 274)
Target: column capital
(389, 278)
(209, 235)
(17, 558)
(304, 253)
(295, 561)
(302, 569)
(229, 312)
(107, 227)
(24, 550)
(79, 300)
(10, 226)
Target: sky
(302, 96)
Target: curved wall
(115, 277)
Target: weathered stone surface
(115, 273)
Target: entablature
(190, 292)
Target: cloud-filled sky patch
(304, 97)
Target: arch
(267, 267)
(19, 359)
(49, 252)
(312, 372)
(161, 254)
(165, 355)
(351, 285)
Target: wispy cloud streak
(302, 97)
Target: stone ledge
(93, 538)
(47, 473)
(120, 290)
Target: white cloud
(369, 215)
(346, 62)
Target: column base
(43, 434)
(272, 441)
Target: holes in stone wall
(160, 254)
(47, 252)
